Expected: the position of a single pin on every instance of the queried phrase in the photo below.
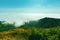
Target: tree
(6, 26)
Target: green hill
(43, 23)
(42, 29)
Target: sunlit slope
(24, 34)
(15, 34)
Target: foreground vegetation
(31, 34)
(31, 31)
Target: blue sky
(20, 11)
(28, 3)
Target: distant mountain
(44, 22)
(49, 22)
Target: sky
(21, 11)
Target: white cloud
(26, 14)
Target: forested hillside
(42, 29)
(44, 23)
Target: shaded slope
(49, 22)
(44, 22)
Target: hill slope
(31, 34)
(44, 22)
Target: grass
(25, 34)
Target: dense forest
(42, 29)
(43, 23)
